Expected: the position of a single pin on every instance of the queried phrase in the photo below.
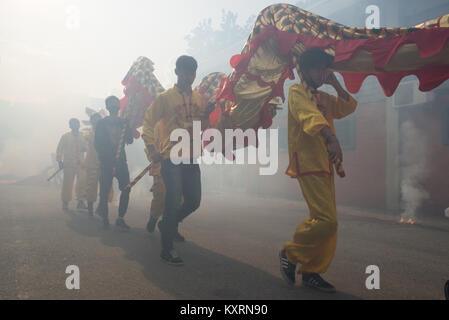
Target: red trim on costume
(339, 168)
(302, 174)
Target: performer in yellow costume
(69, 155)
(314, 150)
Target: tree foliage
(213, 47)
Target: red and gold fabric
(141, 88)
(282, 32)
(209, 87)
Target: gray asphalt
(231, 253)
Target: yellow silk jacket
(309, 111)
(172, 112)
(70, 150)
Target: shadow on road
(206, 275)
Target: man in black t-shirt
(108, 135)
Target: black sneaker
(121, 224)
(171, 257)
(313, 280)
(151, 225)
(288, 270)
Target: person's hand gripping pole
(144, 172)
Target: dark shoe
(172, 258)
(81, 205)
(121, 224)
(313, 280)
(288, 270)
(178, 237)
(151, 225)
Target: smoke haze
(59, 57)
(413, 158)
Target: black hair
(186, 63)
(315, 58)
(73, 120)
(110, 99)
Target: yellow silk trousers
(315, 239)
(81, 184)
(92, 176)
(70, 173)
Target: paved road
(231, 253)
